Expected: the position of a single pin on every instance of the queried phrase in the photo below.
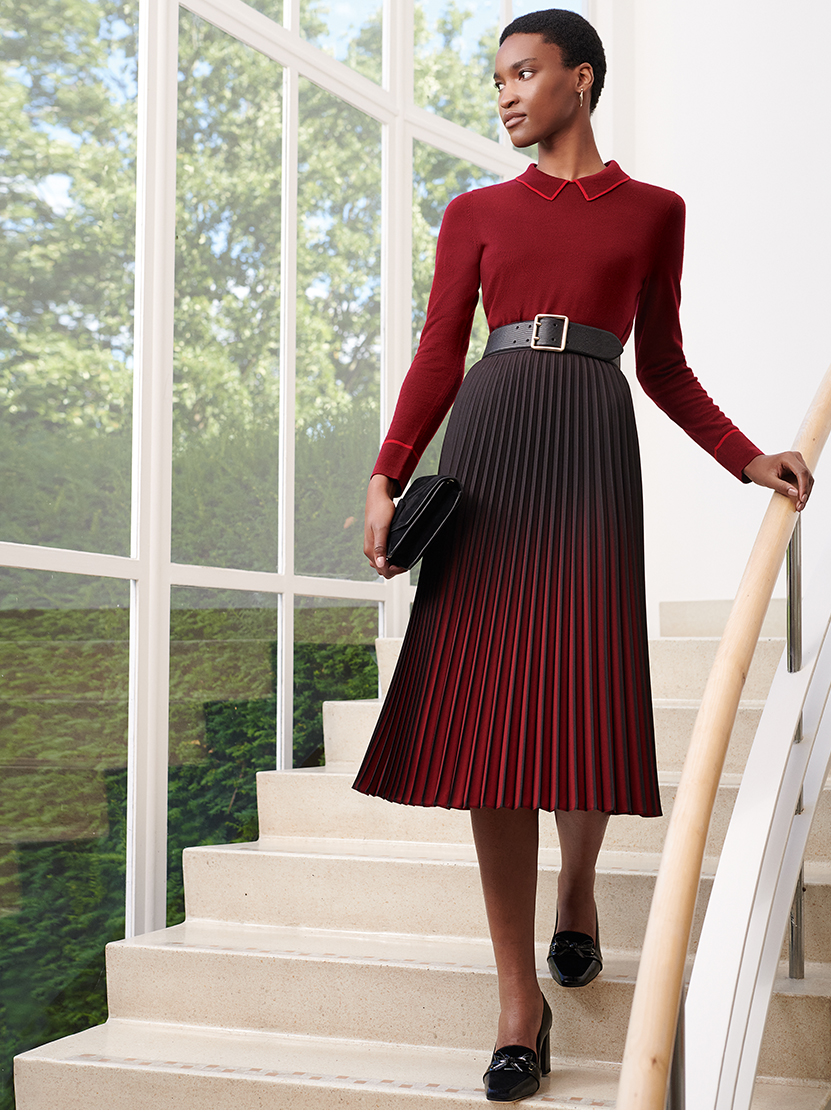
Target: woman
(523, 681)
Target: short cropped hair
(577, 39)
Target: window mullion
(288, 352)
(152, 451)
(396, 266)
(291, 15)
(505, 16)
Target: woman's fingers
(804, 479)
(785, 472)
(379, 511)
(376, 532)
(375, 541)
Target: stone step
(430, 889)
(674, 721)
(321, 804)
(132, 1065)
(680, 666)
(348, 726)
(389, 987)
(387, 650)
(799, 1011)
(707, 618)
(408, 989)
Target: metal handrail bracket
(793, 563)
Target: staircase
(342, 961)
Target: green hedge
(63, 897)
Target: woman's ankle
(520, 1018)
(576, 908)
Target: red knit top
(603, 250)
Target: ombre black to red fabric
(523, 681)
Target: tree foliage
(67, 211)
(63, 721)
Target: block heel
(515, 1071)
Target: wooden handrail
(649, 1041)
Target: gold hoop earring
(581, 98)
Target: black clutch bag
(419, 517)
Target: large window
(218, 227)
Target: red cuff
(397, 461)
(735, 452)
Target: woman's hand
(785, 472)
(379, 511)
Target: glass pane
(223, 719)
(67, 253)
(338, 332)
(437, 179)
(227, 325)
(63, 791)
(272, 8)
(454, 49)
(523, 7)
(349, 30)
(334, 658)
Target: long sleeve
(435, 376)
(605, 251)
(661, 367)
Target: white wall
(728, 103)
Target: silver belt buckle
(540, 317)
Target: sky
(346, 15)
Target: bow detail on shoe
(575, 943)
(574, 958)
(515, 1069)
(524, 1063)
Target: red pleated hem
(523, 680)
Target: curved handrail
(740, 945)
(649, 1041)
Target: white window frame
(149, 567)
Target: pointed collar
(592, 187)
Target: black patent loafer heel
(515, 1071)
(574, 958)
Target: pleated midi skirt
(523, 680)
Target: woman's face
(538, 96)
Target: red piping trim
(392, 440)
(603, 193)
(540, 193)
(721, 442)
(576, 182)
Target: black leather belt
(553, 332)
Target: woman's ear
(585, 77)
